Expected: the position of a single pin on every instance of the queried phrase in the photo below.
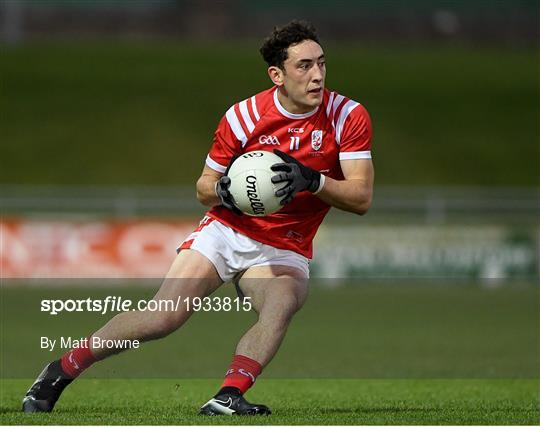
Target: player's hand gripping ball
(251, 184)
(296, 176)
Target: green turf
(380, 330)
(382, 353)
(104, 114)
(325, 402)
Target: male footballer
(324, 140)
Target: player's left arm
(355, 192)
(351, 194)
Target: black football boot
(45, 391)
(229, 401)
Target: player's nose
(318, 74)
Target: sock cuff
(242, 373)
(75, 361)
(247, 362)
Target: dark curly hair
(274, 48)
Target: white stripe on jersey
(337, 102)
(234, 123)
(355, 155)
(214, 165)
(254, 108)
(245, 116)
(329, 106)
(345, 111)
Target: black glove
(222, 190)
(297, 177)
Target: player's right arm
(213, 184)
(206, 187)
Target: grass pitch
(296, 402)
(435, 330)
(437, 353)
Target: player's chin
(314, 99)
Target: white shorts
(232, 252)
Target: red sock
(74, 362)
(242, 373)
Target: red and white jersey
(339, 129)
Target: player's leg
(191, 275)
(276, 293)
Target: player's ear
(276, 75)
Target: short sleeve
(224, 146)
(355, 136)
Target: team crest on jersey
(316, 139)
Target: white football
(251, 184)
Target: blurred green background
(144, 113)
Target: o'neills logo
(254, 200)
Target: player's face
(303, 77)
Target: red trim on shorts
(186, 245)
(204, 222)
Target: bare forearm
(206, 190)
(352, 195)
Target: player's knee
(295, 304)
(279, 314)
(294, 300)
(301, 296)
